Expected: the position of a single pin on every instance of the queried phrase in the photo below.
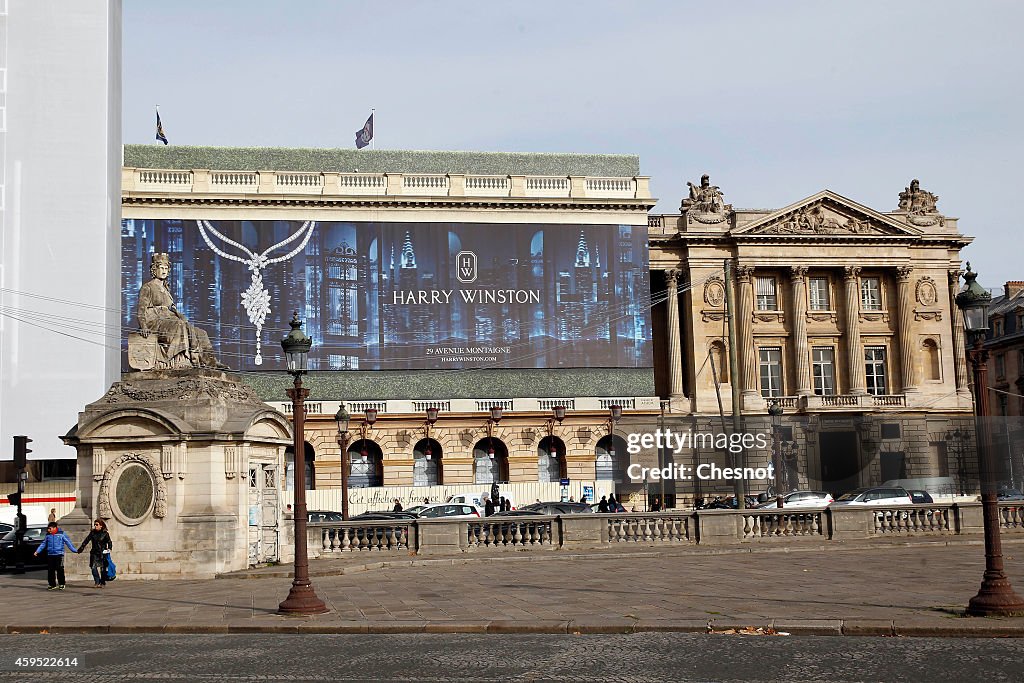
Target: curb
(792, 627)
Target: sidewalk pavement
(917, 588)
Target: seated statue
(165, 339)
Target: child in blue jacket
(53, 545)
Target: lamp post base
(302, 600)
(996, 598)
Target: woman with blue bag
(99, 553)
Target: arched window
(551, 460)
(426, 464)
(289, 468)
(366, 464)
(932, 360)
(490, 462)
(720, 359)
(612, 459)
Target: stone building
(589, 347)
(845, 317)
(1005, 345)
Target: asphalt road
(662, 657)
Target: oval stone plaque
(134, 492)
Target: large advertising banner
(403, 296)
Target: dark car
(4, 528)
(34, 536)
(918, 496)
(558, 508)
(384, 515)
(1009, 494)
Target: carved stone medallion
(714, 291)
(927, 294)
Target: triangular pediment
(827, 213)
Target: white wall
(60, 221)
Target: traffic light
(14, 498)
(21, 451)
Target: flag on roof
(365, 134)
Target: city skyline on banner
(403, 296)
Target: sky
(775, 101)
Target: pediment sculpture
(705, 202)
(165, 339)
(817, 220)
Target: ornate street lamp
(301, 598)
(996, 596)
(342, 418)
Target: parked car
(878, 495)
(558, 508)
(323, 516)
(801, 499)
(384, 515)
(1009, 494)
(919, 496)
(34, 536)
(4, 528)
(447, 510)
(415, 509)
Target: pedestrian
(288, 508)
(52, 516)
(603, 505)
(426, 501)
(501, 503)
(583, 499)
(398, 506)
(613, 505)
(538, 500)
(508, 505)
(656, 506)
(53, 545)
(573, 500)
(98, 553)
(488, 506)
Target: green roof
(379, 161)
(356, 385)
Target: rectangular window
(818, 294)
(770, 362)
(1001, 366)
(997, 328)
(767, 300)
(823, 367)
(874, 370)
(870, 294)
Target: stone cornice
(142, 199)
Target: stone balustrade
(213, 182)
(654, 529)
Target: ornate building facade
(845, 318)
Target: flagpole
(374, 125)
(157, 118)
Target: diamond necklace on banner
(256, 299)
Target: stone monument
(183, 461)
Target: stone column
(905, 321)
(959, 342)
(745, 332)
(675, 349)
(798, 289)
(852, 346)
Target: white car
(801, 499)
(456, 510)
(879, 495)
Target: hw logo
(465, 266)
